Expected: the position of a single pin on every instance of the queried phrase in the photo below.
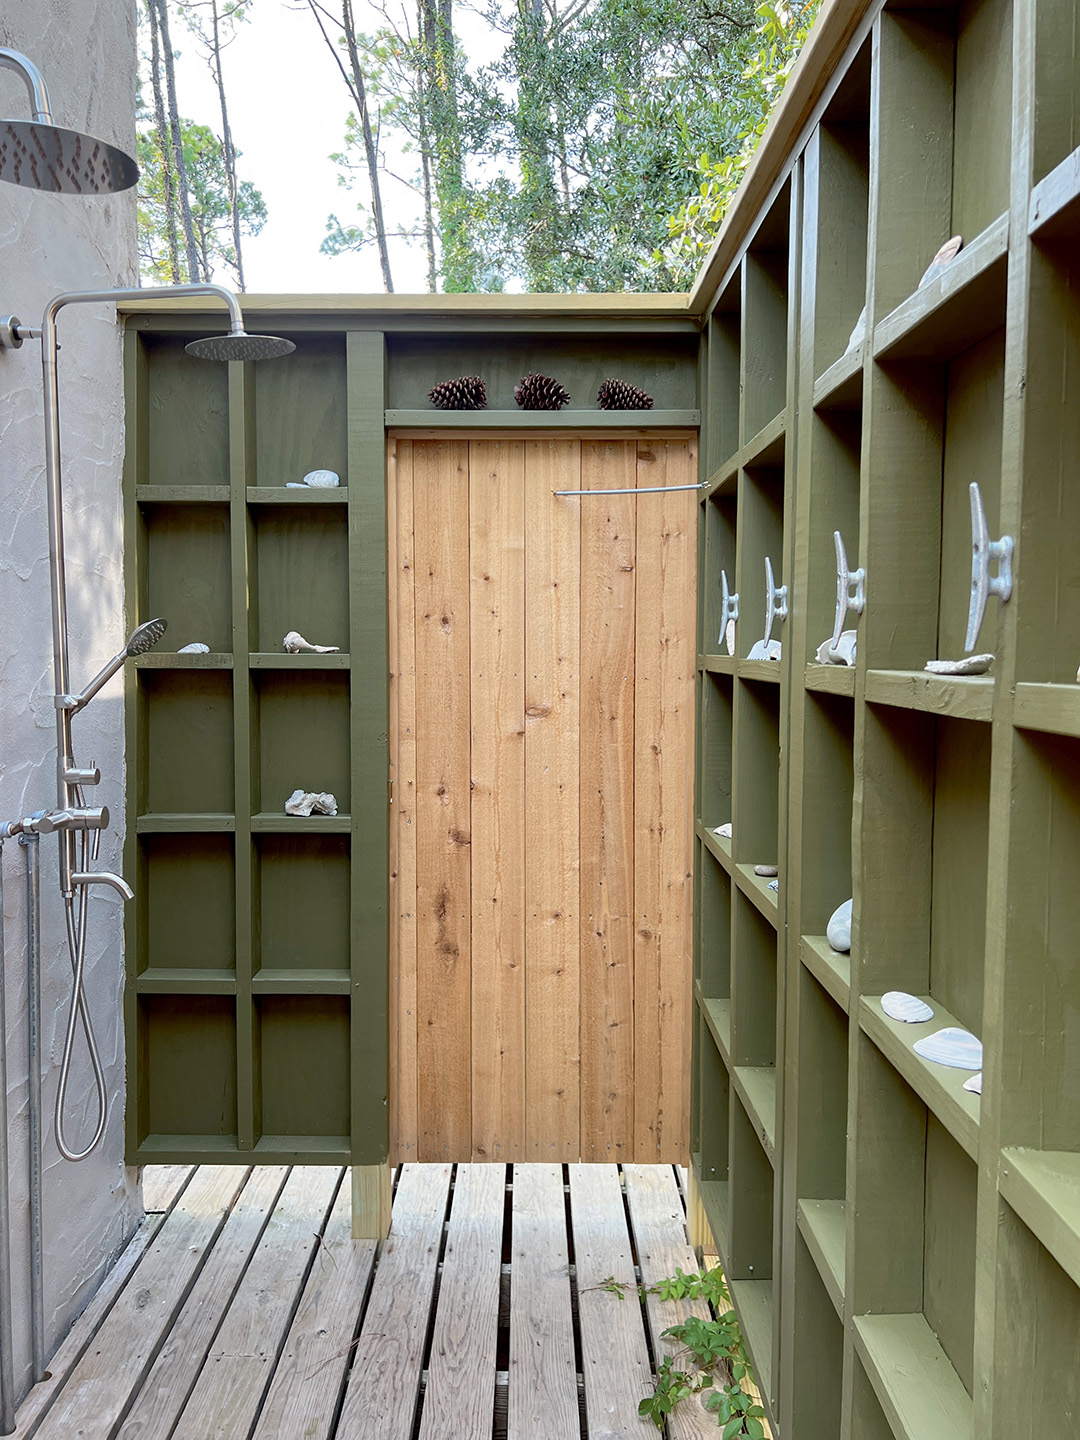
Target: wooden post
(371, 1197)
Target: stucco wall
(48, 244)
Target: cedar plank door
(542, 671)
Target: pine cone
(617, 395)
(540, 392)
(467, 392)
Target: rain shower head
(239, 345)
(145, 637)
(42, 156)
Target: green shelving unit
(904, 1255)
(256, 997)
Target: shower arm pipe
(7, 1342)
(35, 84)
(64, 702)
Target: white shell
(899, 1005)
(951, 1046)
(945, 256)
(294, 642)
(844, 654)
(858, 334)
(974, 1084)
(970, 665)
(766, 870)
(839, 928)
(729, 637)
(195, 648)
(759, 651)
(322, 479)
(310, 802)
(723, 830)
(774, 885)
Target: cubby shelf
(952, 312)
(1043, 1187)
(759, 670)
(717, 664)
(307, 495)
(919, 1391)
(830, 680)
(719, 845)
(270, 822)
(157, 660)
(756, 889)
(823, 1225)
(185, 824)
(756, 1087)
(182, 494)
(753, 1301)
(301, 982)
(1053, 708)
(715, 1196)
(279, 660)
(185, 982)
(964, 697)
(940, 1087)
(840, 387)
(828, 966)
(540, 419)
(1054, 207)
(717, 1014)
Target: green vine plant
(712, 1350)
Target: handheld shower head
(239, 345)
(145, 637)
(42, 156)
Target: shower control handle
(89, 819)
(90, 775)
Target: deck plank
(230, 1389)
(384, 1382)
(303, 1397)
(80, 1336)
(542, 1400)
(176, 1369)
(615, 1359)
(100, 1388)
(659, 1227)
(460, 1396)
(162, 1184)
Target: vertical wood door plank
(460, 1396)
(608, 540)
(384, 1382)
(542, 1396)
(663, 709)
(614, 1355)
(443, 862)
(403, 956)
(552, 845)
(497, 647)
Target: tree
(159, 10)
(214, 23)
(210, 206)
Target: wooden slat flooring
(244, 1310)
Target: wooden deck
(243, 1310)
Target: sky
(287, 109)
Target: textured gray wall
(48, 244)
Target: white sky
(287, 108)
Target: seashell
(310, 802)
(858, 334)
(974, 1084)
(899, 1005)
(724, 831)
(322, 479)
(729, 640)
(970, 665)
(760, 651)
(951, 1046)
(294, 642)
(947, 253)
(844, 654)
(195, 648)
(839, 928)
(774, 885)
(766, 870)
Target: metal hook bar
(729, 606)
(635, 490)
(776, 608)
(983, 551)
(847, 598)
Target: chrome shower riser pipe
(7, 1338)
(31, 845)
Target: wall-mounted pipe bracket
(983, 551)
(850, 589)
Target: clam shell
(899, 1005)
(195, 648)
(723, 830)
(760, 651)
(310, 802)
(951, 1046)
(774, 885)
(974, 1084)
(322, 479)
(944, 256)
(969, 665)
(844, 654)
(839, 928)
(294, 642)
(729, 637)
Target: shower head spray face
(240, 346)
(46, 157)
(146, 637)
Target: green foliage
(209, 196)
